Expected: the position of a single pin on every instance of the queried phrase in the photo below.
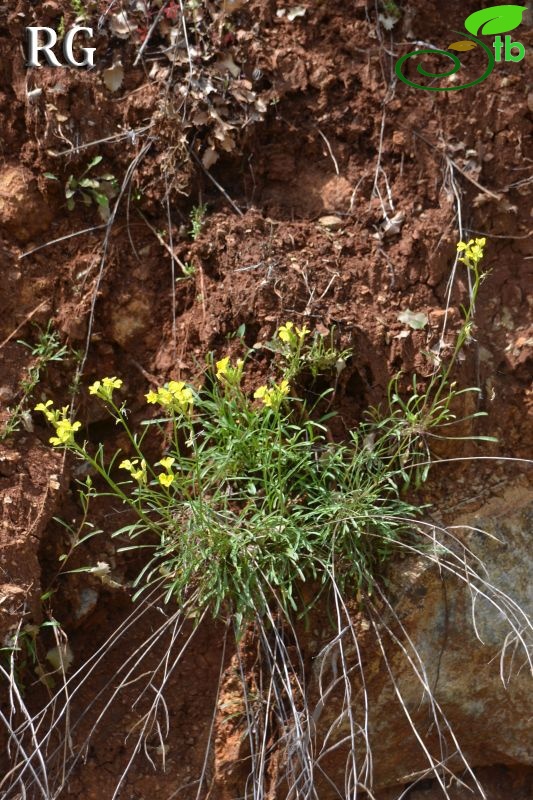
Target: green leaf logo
(498, 19)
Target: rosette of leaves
(90, 189)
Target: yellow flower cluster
(104, 388)
(137, 469)
(166, 478)
(292, 335)
(273, 396)
(227, 373)
(65, 429)
(174, 396)
(473, 251)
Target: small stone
(331, 222)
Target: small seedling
(47, 350)
(99, 190)
(197, 217)
(78, 7)
(239, 333)
(188, 269)
(391, 8)
(25, 654)
(391, 14)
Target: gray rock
(466, 637)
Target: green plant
(99, 190)
(78, 7)
(390, 7)
(188, 269)
(47, 350)
(252, 513)
(300, 354)
(259, 495)
(197, 217)
(25, 655)
(391, 14)
(259, 500)
(410, 423)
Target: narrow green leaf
(96, 160)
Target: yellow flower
(291, 334)
(112, 383)
(139, 475)
(136, 468)
(274, 396)
(45, 409)
(181, 397)
(104, 388)
(284, 387)
(227, 373)
(175, 396)
(302, 332)
(164, 397)
(222, 366)
(167, 462)
(175, 387)
(285, 332)
(165, 479)
(473, 251)
(65, 431)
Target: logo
(489, 22)
(34, 48)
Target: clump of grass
(251, 502)
(252, 497)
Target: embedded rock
(452, 661)
(23, 211)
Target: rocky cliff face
(335, 196)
